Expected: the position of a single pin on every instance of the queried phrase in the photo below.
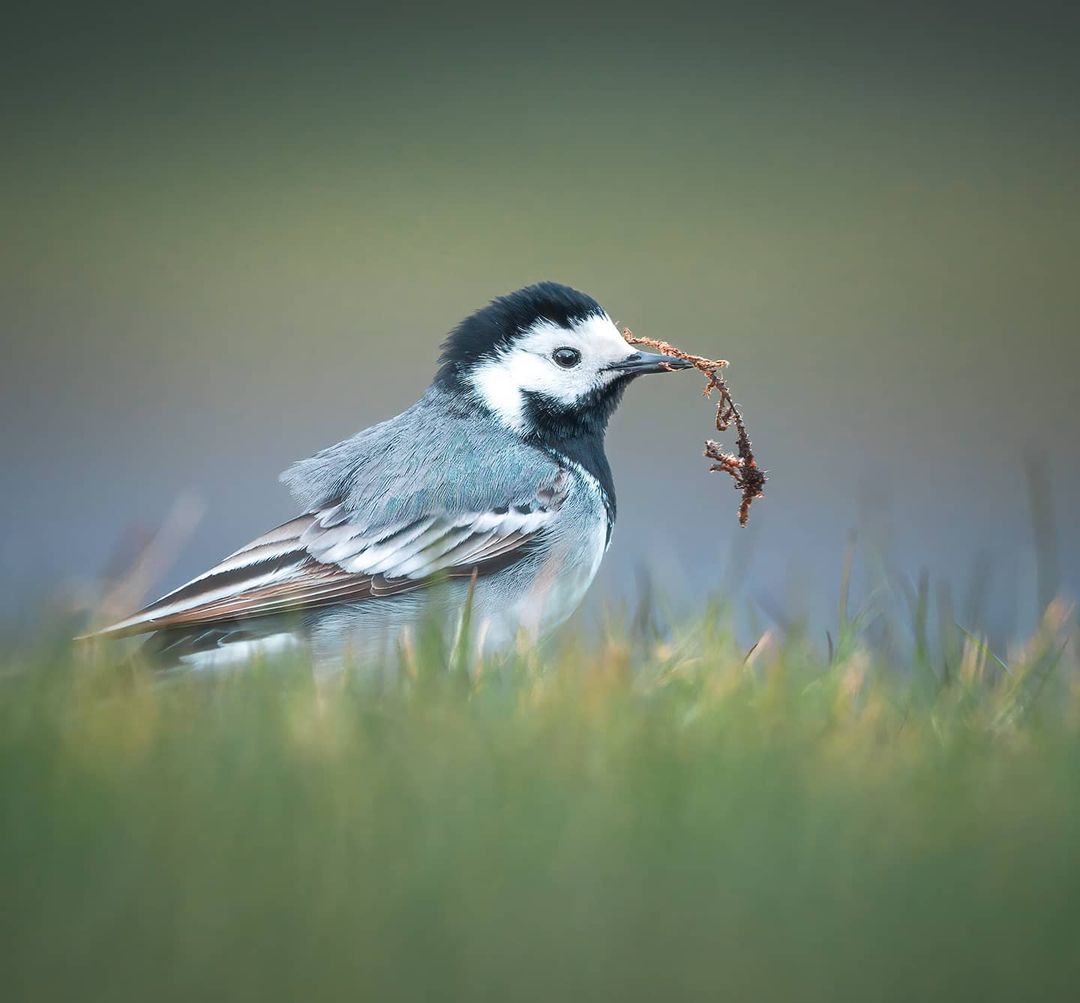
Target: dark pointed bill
(641, 363)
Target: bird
(491, 494)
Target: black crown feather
(504, 318)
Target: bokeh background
(235, 235)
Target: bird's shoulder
(440, 455)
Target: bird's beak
(648, 362)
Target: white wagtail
(495, 482)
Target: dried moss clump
(741, 465)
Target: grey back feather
(439, 456)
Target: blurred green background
(234, 235)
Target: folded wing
(327, 557)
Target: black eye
(566, 357)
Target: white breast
(562, 581)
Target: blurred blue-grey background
(233, 235)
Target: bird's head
(547, 361)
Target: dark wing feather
(319, 559)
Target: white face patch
(528, 365)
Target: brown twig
(741, 466)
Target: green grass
(636, 819)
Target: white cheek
(564, 385)
(499, 386)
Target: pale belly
(550, 598)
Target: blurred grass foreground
(643, 817)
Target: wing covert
(327, 557)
